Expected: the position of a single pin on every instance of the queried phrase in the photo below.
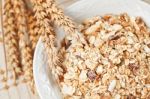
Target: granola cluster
(114, 63)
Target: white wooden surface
(22, 91)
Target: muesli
(114, 63)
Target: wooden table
(22, 91)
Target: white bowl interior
(79, 11)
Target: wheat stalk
(25, 50)
(10, 38)
(48, 37)
(3, 73)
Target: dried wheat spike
(26, 52)
(10, 38)
(54, 60)
(57, 15)
(33, 29)
(48, 38)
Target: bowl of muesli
(110, 58)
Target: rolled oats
(111, 61)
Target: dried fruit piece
(133, 67)
(91, 75)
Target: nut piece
(68, 90)
(117, 96)
(99, 70)
(112, 85)
(146, 49)
(83, 76)
(116, 27)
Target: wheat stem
(3, 39)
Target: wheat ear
(10, 38)
(33, 29)
(25, 49)
(57, 15)
(48, 37)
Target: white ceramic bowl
(79, 11)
